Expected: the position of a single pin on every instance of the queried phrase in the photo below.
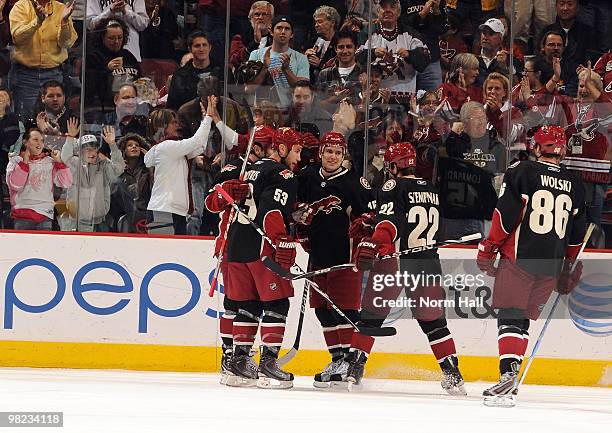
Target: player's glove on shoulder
(237, 189)
(568, 280)
(487, 253)
(362, 226)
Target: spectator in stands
(552, 49)
(301, 17)
(131, 192)
(341, 80)
(527, 14)
(259, 35)
(5, 31)
(461, 85)
(580, 43)
(428, 17)
(184, 83)
(496, 95)
(52, 114)
(31, 177)
(396, 44)
(603, 67)
(323, 49)
(474, 12)
(132, 13)
(109, 65)
(42, 31)
(426, 133)
(170, 157)
(451, 44)
(125, 118)
(9, 134)
(589, 152)
(282, 65)
(157, 40)
(598, 15)
(470, 139)
(306, 109)
(90, 199)
(493, 57)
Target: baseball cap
(495, 25)
(281, 19)
(89, 141)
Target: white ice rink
(146, 402)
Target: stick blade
(377, 332)
(287, 357)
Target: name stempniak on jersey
(423, 197)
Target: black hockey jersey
(466, 191)
(409, 209)
(340, 196)
(540, 212)
(274, 189)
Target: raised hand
(73, 127)
(67, 12)
(40, 11)
(55, 154)
(211, 110)
(108, 134)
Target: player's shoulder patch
(287, 174)
(389, 185)
(364, 183)
(228, 167)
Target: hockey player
(215, 203)
(257, 291)
(330, 196)
(538, 227)
(408, 212)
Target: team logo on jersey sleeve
(287, 174)
(389, 185)
(364, 183)
(229, 167)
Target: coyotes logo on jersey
(326, 205)
(287, 174)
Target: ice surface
(144, 402)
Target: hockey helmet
(264, 135)
(402, 154)
(551, 140)
(332, 138)
(287, 136)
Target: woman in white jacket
(170, 158)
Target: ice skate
(503, 393)
(356, 369)
(452, 382)
(333, 375)
(226, 373)
(244, 369)
(270, 374)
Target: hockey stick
(461, 240)
(288, 275)
(536, 346)
(232, 216)
(283, 360)
(365, 330)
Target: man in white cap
(493, 56)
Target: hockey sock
(245, 325)
(345, 331)
(273, 323)
(510, 339)
(327, 320)
(226, 322)
(365, 342)
(440, 339)
(525, 333)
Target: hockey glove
(237, 189)
(568, 280)
(285, 251)
(487, 253)
(365, 254)
(362, 226)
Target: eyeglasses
(260, 14)
(526, 71)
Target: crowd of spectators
(102, 102)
